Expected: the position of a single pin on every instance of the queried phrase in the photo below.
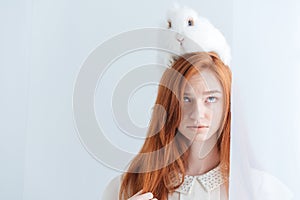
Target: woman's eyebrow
(205, 92)
(187, 93)
(211, 92)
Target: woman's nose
(199, 111)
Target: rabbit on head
(188, 25)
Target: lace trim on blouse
(210, 181)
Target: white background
(44, 43)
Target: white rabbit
(189, 26)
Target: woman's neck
(203, 157)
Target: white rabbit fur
(201, 32)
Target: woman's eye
(186, 99)
(211, 99)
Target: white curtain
(265, 127)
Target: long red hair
(165, 151)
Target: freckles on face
(202, 107)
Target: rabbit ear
(175, 5)
(170, 11)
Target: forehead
(203, 81)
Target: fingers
(138, 193)
(145, 196)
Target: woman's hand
(140, 196)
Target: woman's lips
(198, 129)
(201, 126)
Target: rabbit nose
(179, 38)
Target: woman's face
(202, 108)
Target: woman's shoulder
(112, 189)
(269, 186)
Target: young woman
(186, 153)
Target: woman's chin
(201, 137)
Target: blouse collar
(210, 181)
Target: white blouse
(208, 186)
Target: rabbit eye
(191, 22)
(169, 24)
